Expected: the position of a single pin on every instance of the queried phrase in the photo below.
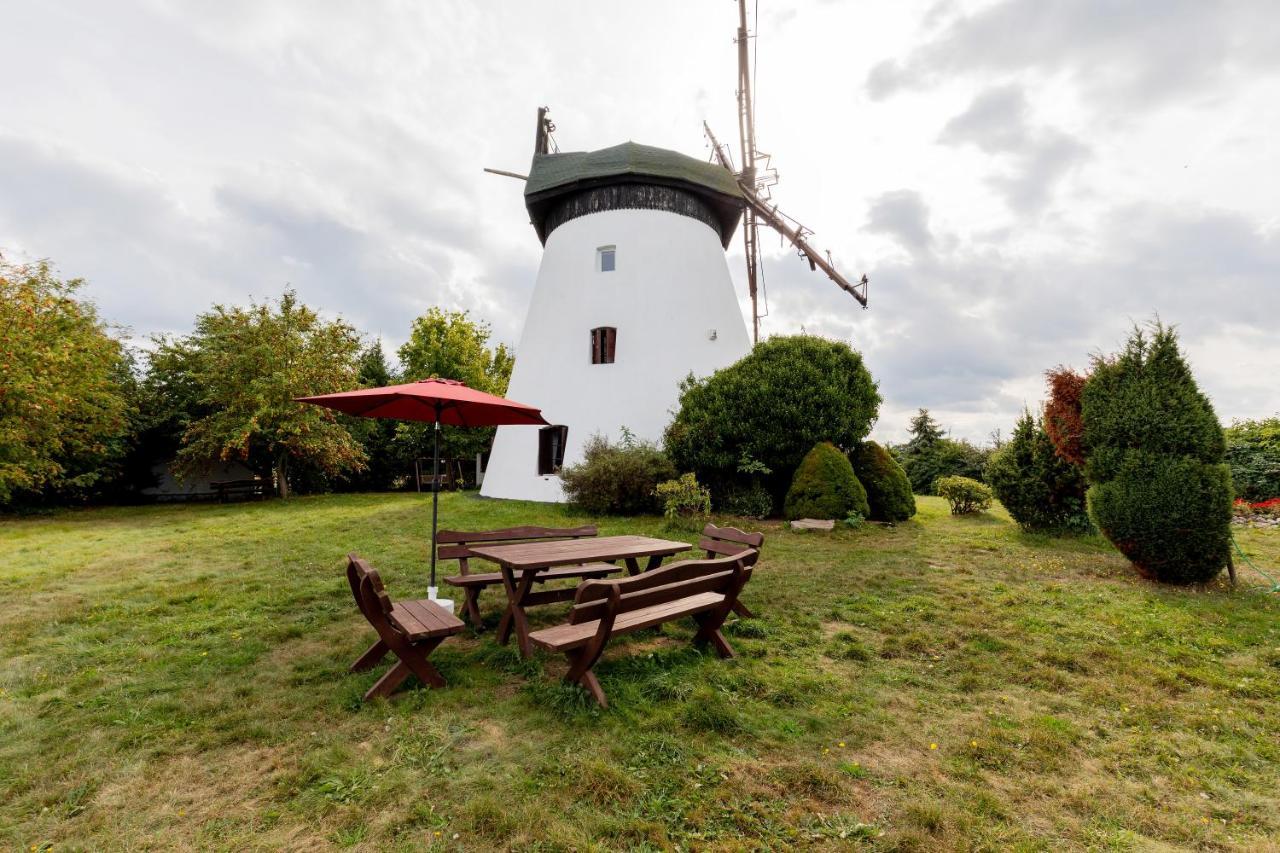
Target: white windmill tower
(632, 296)
(634, 292)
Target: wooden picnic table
(527, 559)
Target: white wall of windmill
(673, 304)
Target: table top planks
(522, 556)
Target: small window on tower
(551, 448)
(603, 342)
(607, 258)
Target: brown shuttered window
(603, 343)
(551, 448)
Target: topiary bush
(1159, 490)
(617, 479)
(965, 494)
(825, 486)
(888, 489)
(771, 407)
(1040, 489)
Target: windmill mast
(755, 190)
(747, 136)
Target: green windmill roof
(552, 176)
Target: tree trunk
(282, 474)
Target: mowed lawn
(176, 677)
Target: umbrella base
(446, 603)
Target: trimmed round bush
(1040, 489)
(1159, 488)
(617, 479)
(888, 489)
(965, 494)
(1169, 515)
(825, 486)
(772, 406)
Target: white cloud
(1021, 179)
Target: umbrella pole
(435, 499)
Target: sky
(1022, 180)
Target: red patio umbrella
(438, 401)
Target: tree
(1040, 489)
(65, 413)
(388, 460)
(929, 454)
(244, 367)
(451, 345)
(1159, 489)
(772, 407)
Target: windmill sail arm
(774, 220)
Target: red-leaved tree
(1063, 413)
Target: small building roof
(552, 176)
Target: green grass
(176, 677)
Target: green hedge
(888, 489)
(965, 494)
(825, 486)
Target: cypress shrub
(1159, 489)
(825, 486)
(888, 489)
(1040, 489)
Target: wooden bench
(456, 545)
(410, 630)
(603, 609)
(725, 542)
(225, 489)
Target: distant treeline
(84, 417)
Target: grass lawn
(176, 677)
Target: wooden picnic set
(704, 589)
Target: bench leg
(709, 632)
(742, 610)
(471, 607)
(580, 663)
(413, 660)
(370, 658)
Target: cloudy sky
(1021, 179)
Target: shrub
(965, 494)
(684, 498)
(1040, 489)
(888, 489)
(1169, 515)
(617, 479)
(825, 486)
(1159, 490)
(1063, 418)
(753, 501)
(1253, 452)
(772, 406)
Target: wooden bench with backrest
(457, 544)
(250, 488)
(603, 609)
(727, 541)
(410, 630)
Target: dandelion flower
(933, 746)
(842, 744)
(973, 743)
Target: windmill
(633, 293)
(756, 179)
